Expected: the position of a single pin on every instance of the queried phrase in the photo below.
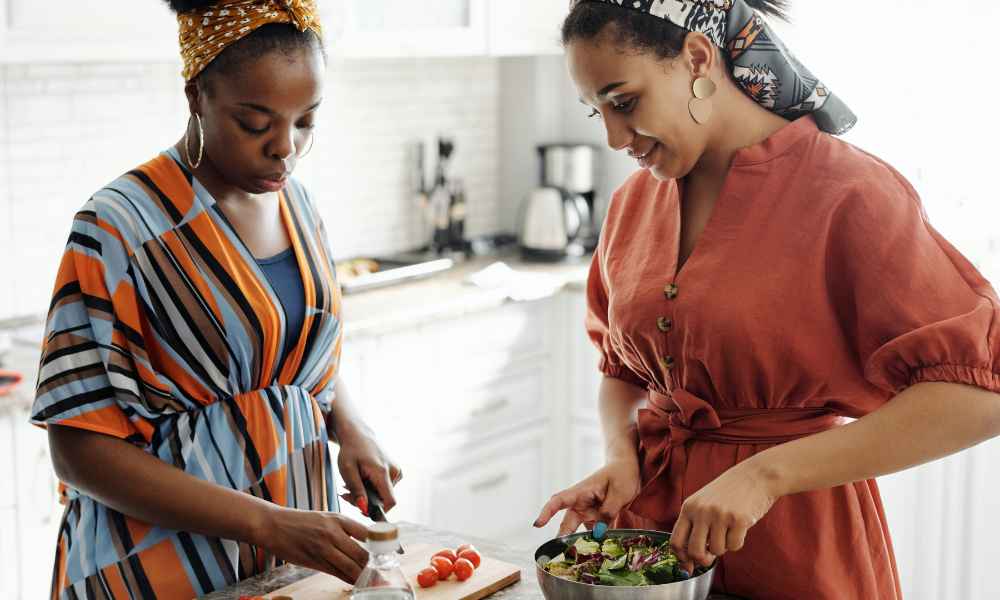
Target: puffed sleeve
(598, 329)
(86, 379)
(913, 308)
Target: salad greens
(621, 561)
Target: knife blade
(376, 512)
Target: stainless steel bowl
(555, 588)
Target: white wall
(67, 129)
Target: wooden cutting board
(491, 576)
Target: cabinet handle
(493, 406)
(489, 484)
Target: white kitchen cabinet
(526, 27)
(402, 28)
(10, 576)
(465, 406)
(72, 31)
(493, 491)
(8, 499)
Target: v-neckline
(700, 241)
(775, 145)
(287, 220)
(280, 362)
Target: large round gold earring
(312, 141)
(201, 141)
(699, 106)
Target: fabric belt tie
(671, 421)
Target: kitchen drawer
(9, 557)
(512, 331)
(493, 496)
(516, 398)
(397, 373)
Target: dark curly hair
(273, 37)
(634, 29)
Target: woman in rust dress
(778, 322)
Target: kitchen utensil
(572, 169)
(491, 576)
(549, 224)
(555, 588)
(376, 512)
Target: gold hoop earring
(312, 141)
(201, 141)
(699, 106)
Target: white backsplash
(66, 130)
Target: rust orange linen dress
(815, 293)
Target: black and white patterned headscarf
(762, 66)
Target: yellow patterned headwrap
(206, 32)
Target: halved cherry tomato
(427, 577)
(472, 555)
(464, 547)
(443, 566)
(448, 553)
(463, 569)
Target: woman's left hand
(716, 518)
(362, 459)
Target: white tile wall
(66, 130)
(6, 250)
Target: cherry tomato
(464, 569)
(427, 577)
(448, 553)
(443, 566)
(472, 555)
(464, 547)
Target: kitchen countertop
(526, 589)
(447, 295)
(409, 533)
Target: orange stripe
(60, 582)
(137, 529)
(90, 274)
(178, 374)
(245, 280)
(115, 582)
(126, 308)
(277, 483)
(109, 420)
(167, 575)
(325, 381)
(169, 178)
(180, 252)
(260, 427)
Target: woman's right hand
(599, 497)
(322, 541)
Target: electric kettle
(550, 224)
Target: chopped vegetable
(619, 561)
(612, 548)
(586, 546)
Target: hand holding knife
(376, 512)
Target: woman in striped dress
(188, 379)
